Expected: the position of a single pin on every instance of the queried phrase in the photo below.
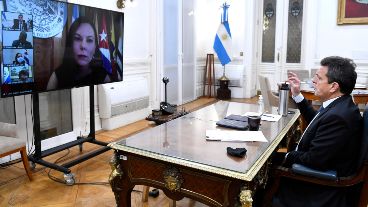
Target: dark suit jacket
(19, 44)
(16, 24)
(332, 141)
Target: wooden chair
(269, 97)
(327, 178)
(10, 144)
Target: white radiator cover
(122, 103)
(235, 74)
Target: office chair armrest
(279, 171)
(303, 170)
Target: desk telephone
(165, 107)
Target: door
(179, 51)
(171, 55)
(280, 47)
(188, 51)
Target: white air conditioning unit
(235, 74)
(122, 103)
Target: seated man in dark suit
(331, 140)
(19, 23)
(22, 41)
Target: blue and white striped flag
(3, 18)
(222, 44)
(75, 14)
(6, 78)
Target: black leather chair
(327, 178)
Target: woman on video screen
(80, 67)
(21, 59)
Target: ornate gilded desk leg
(115, 177)
(245, 197)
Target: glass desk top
(183, 141)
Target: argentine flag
(6, 78)
(222, 44)
(75, 14)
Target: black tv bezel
(34, 89)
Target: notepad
(235, 136)
(234, 122)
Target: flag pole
(223, 74)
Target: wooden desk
(360, 96)
(176, 158)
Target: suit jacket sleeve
(307, 111)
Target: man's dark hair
(342, 71)
(22, 35)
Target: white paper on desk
(271, 117)
(235, 136)
(265, 117)
(252, 114)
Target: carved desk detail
(173, 179)
(115, 178)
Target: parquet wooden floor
(91, 188)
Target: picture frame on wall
(352, 12)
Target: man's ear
(334, 87)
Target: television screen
(51, 45)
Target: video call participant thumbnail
(22, 42)
(20, 23)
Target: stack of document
(235, 136)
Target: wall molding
(136, 66)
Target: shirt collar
(326, 103)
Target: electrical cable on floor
(60, 159)
(64, 158)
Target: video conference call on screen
(51, 45)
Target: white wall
(136, 25)
(137, 50)
(208, 18)
(326, 38)
(323, 37)
(343, 40)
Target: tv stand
(38, 155)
